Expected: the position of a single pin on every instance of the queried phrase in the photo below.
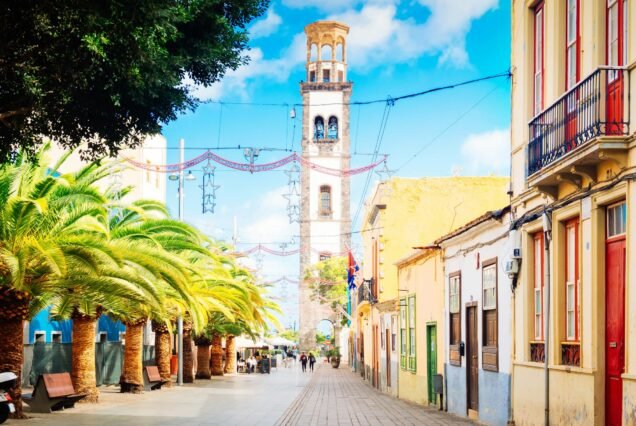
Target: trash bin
(264, 366)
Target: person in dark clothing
(303, 361)
(312, 361)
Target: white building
(325, 220)
(478, 300)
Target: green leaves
(102, 74)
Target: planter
(335, 362)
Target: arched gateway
(324, 226)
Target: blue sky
(394, 48)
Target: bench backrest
(153, 373)
(58, 385)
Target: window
(319, 128)
(393, 332)
(40, 337)
(489, 316)
(403, 333)
(617, 34)
(382, 334)
(340, 76)
(572, 43)
(617, 220)
(332, 128)
(538, 58)
(412, 348)
(312, 76)
(325, 200)
(325, 75)
(103, 337)
(324, 255)
(571, 280)
(537, 353)
(56, 336)
(454, 301)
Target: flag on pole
(352, 271)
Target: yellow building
(403, 213)
(573, 154)
(421, 324)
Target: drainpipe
(547, 233)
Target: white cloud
(267, 25)
(487, 152)
(378, 37)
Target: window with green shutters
(412, 347)
(403, 334)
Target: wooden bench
(152, 378)
(52, 392)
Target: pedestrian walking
(312, 361)
(303, 361)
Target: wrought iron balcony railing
(366, 291)
(595, 107)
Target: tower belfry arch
(325, 217)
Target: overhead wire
(447, 128)
(506, 74)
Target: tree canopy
(328, 281)
(107, 73)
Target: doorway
(374, 358)
(431, 359)
(615, 258)
(387, 346)
(472, 358)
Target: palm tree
(162, 350)
(202, 342)
(36, 210)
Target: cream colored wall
(146, 185)
(420, 210)
(423, 277)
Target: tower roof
(326, 26)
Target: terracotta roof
(493, 214)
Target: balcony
(366, 292)
(583, 127)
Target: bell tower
(325, 217)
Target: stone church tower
(325, 218)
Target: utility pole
(180, 319)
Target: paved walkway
(284, 397)
(255, 399)
(340, 397)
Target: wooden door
(374, 357)
(615, 52)
(387, 345)
(431, 359)
(614, 329)
(472, 359)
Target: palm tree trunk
(216, 356)
(188, 356)
(14, 308)
(162, 351)
(203, 361)
(132, 380)
(230, 354)
(83, 357)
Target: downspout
(547, 233)
(511, 411)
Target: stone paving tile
(339, 397)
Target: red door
(615, 52)
(615, 328)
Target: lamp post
(179, 177)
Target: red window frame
(538, 239)
(576, 44)
(539, 13)
(621, 34)
(573, 223)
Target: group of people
(303, 361)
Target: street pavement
(284, 397)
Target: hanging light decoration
(209, 187)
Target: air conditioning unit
(511, 267)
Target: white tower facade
(325, 218)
